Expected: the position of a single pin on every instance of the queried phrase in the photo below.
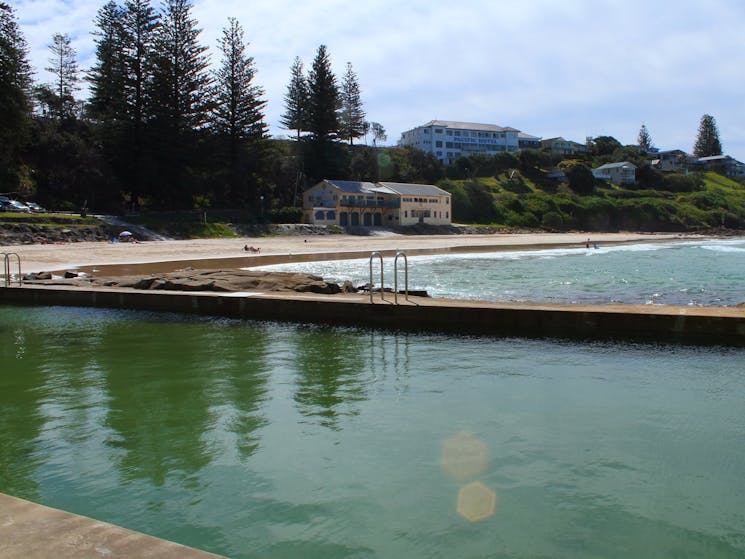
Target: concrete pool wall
(652, 323)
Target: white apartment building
(448, 140)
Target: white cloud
(572, 68)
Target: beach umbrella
(125, 234)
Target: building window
(456, 133)
(406, 213)
(331, 215)
(438, 130)
(319, 215)
(449, 132)
(438, 144)
(426, 130)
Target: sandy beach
(54, 257)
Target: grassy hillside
(512, 200)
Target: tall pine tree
(352, 115)
(324, 100)
(63, 64)
(181, 100)
(15, 106)
(296, 100)
(108, 74)
(140, 24)
(644, 140)
(707, 142)
(237, 116)
(322, 157)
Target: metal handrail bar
(382, 283)
(6, 266)
(395, 276)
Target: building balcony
(370, 204)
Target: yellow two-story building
(382, 204)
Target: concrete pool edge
(669, 324)
(29, 530)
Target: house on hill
(617, 173)
(563, 147)
(382, 204)
(674, 161)
(724, 165)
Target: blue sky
(571, 68)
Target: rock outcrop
(201, 280)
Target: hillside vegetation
(514, 200)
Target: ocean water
(700, 273)
(257, 440)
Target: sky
(570, 68)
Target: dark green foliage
(324, 99)
(322, 156)
(644, 140)
(552, 221)
(15, 106)
(533, 161)
(580, 178)
(409, 165)
(352, 116)
(707, 142)
(296, 100)
(647, 177)
(286, 215)
(63, 65)
(237, 118)
(605, 145)
(108, 75)
(682, 183)
(181, 103)
(472, 202)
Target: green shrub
(682, 183)
(552, 221)
(286, 214)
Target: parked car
(16, 206)
(34, 207)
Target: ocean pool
(265, 440)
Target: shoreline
(123, 256)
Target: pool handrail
(395, 276)
(382, 283)
(6, 267)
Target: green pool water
(257, 440)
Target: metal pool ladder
(382, 283)
(379, 256)
(6, 268)
(395, 276)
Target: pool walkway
(32, 531)
(650, 323)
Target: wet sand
(70, 256)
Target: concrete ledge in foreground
(693, 325)
(31, 531)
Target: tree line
(162, 129)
